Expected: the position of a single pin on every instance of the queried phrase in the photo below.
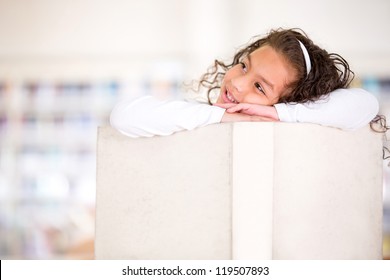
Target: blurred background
(63, 64)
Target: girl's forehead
(264, 54)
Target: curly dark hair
(329, 70)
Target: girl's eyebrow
(267, 82)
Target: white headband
(306, 56)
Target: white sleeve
(347, 109)
(148, 116)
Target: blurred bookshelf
(47, 164)
(48, 126)
(380, 87)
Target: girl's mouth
(230, 98)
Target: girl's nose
(240, 84)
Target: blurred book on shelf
(47, 162)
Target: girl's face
(261, 78)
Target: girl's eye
(259, 87)
(243, 66)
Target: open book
(240, 191)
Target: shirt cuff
(216, 114)
(283, 113)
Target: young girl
(281, 77)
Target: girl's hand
(267, 113)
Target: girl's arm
(344, 108)
(148, 116)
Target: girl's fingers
(237, 108)
(234, 109)
(242, 108)
(225, 105)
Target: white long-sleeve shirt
(147, 116)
